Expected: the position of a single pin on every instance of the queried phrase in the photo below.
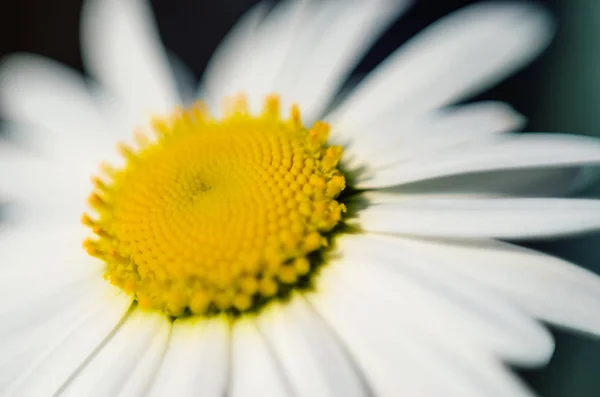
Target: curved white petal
(39, 191)
(398, 359)
(516, 151)
(122, 49)
(79, 341)
(140, 341)
(140, 380)
(415, 288)
(196, 361)
(26, 311)
(458, 56)
(330, 44)
(542, 182)
(57, 307)
(506, 218)
(226, 66)
(26, 177)
(184, 79)
(302, 51)
(40, 259)
(584, 178)
(253, 364)
(269, 49)
(68, 123)
(28, 327)
(549, 288)
(470, 121)
(399, 138)
(314, 360)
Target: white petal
(549, 288)
(253, 365)
(584, 178)
(425, 294)
(28, 311)
(26, 177)
(184, 79)
(141, 378)
(268, 52)
(63, 359)
(196, 362)
(57, 103)
(121, 47)
(458, 56)
(396, 359)
(28, 327)
(396, 139)
(312, 357)
(43, 261)
(330, 44)
(543, 182)
(507, 218)
(522, 151)
(110, 371)
(39, 191)
(39, 259)
(280, 54)
(225, 68)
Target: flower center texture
(217, 215)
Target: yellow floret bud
(216, 215)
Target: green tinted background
(570, 102)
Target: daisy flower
(266, 241)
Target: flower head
(261, 244)
(218, 215)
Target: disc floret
(215, 215)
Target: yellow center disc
(217, 215)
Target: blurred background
(560, 91)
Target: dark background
(560, 91)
